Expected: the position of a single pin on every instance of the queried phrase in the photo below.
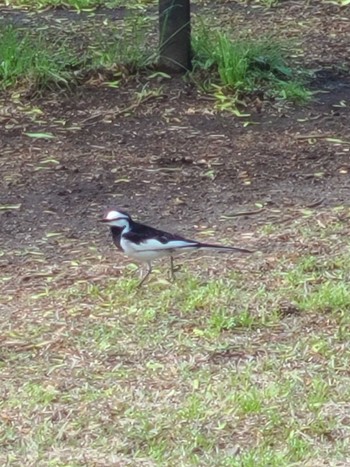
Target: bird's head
(116, 218)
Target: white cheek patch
(112, 215)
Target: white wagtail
(144, 243)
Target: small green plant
(244, 66)
(31, 60)
(128, 48)
(294, 92)
(232, 62)
(330, 296)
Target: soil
(171, 159)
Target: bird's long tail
(210, 246)
(187, 245)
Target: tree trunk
(175, 35)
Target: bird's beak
(110, 220)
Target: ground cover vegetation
(227, 64)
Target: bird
(145, 244)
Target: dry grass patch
(248, 368)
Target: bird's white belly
(141, 253)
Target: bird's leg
(172, 270)
(149, 270)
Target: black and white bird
(145, 244)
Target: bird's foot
(173, 271)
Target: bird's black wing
(140, 233)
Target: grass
(268, 3)
(240, 66)
(231, 69)
(128, 48)
(90, 4)
(32, 61)
(199, 372)
(72, 4)
(37, 61)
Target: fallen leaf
(40, 135)
(9, 207)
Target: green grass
(33, 62)
(204, 371)
(294, 92)
(37, 61)
(242, 65)
(72, 4)
(127, 48)
(231, 70)
(90, 4)
(268, 3)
